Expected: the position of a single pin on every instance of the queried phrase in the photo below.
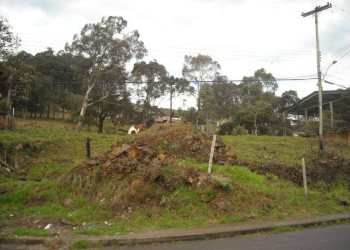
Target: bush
(226, 128)
(240, 130)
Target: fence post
(211, 154)
(304, 176)
(88, 147)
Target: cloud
(46, 6)
(242, 35)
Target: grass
(281, 150)
(25, 231)
(267, 197)
(247, 195)
(83, 244)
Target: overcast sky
(242, 35)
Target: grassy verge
(28, 205)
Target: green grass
(247, 194)
(25, 231)
(83, 244)
(267, 197)
(271, 149)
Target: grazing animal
(135, 129)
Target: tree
(8, 41)
(59, 70)
(177, 86)
(267, 80)
(151, 83)
(257, 101)
(198, 69)
(288, 99)
(116, 95)
(105, 46)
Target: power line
(191, 81)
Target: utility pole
(315, 12)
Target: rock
(107, 163)
(48, 226)
(91, 162)
(205, 198)
(135, 153)
(117, 151)
(137, 183)
(162, 156)
(125, 147)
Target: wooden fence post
(88, 148)
(304, 176)
(211, 153)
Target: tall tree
(151, 80)
(288, 99)
(106, 46)
(176, 87)
(8, 41)
(198, 69)
(58, 68)
(257, 101)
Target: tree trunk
(62, 113)
(171, 104)
(84, 106)
(8, 103)
(100, 123)
(255, 125)
(53, 112)
(48, 111)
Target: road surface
(336, 237)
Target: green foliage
(223, 182)
(239, 130)
(8, 41)
(83, 244)
(200, 68)
(226, 128)
(25, 231)
(155, 84)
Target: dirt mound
(139, 171)
(326, 168)
(329, 168)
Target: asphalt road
(335, 237)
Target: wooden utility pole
(318, 53)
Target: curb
(188, 234)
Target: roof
(310, 102)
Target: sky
(242, 35)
